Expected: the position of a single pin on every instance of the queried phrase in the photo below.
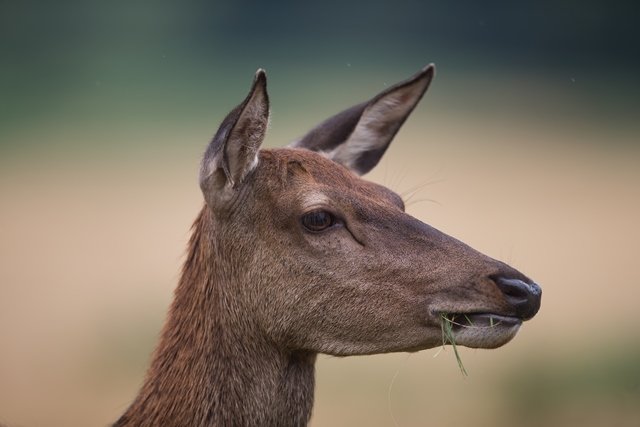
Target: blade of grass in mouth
(448, 337)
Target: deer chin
(483, 330)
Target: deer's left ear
(358, 137)
(233, 152)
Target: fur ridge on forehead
(295, 165)
(305, 163)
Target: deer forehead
(316, 181)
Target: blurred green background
(527, 147)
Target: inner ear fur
(358, 136)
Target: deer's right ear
(233, 152)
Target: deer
(293, 254)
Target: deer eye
(318, 220)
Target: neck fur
(212, 367)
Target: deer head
(315, 258)
(294, 254)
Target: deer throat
(211, 368)
(225, 383)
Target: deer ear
(358, 137)
(233, 152)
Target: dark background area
(164, 58)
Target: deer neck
(211, 366)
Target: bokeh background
(527, 147)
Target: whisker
(411, 202)
(393, 380)
(421, 186)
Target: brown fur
(212, 366)
(260, 295)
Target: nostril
(525, 297)
(513, 288)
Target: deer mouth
(479, 330)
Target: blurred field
(93, 225)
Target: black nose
(525, 297)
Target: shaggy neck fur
(212, 366)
